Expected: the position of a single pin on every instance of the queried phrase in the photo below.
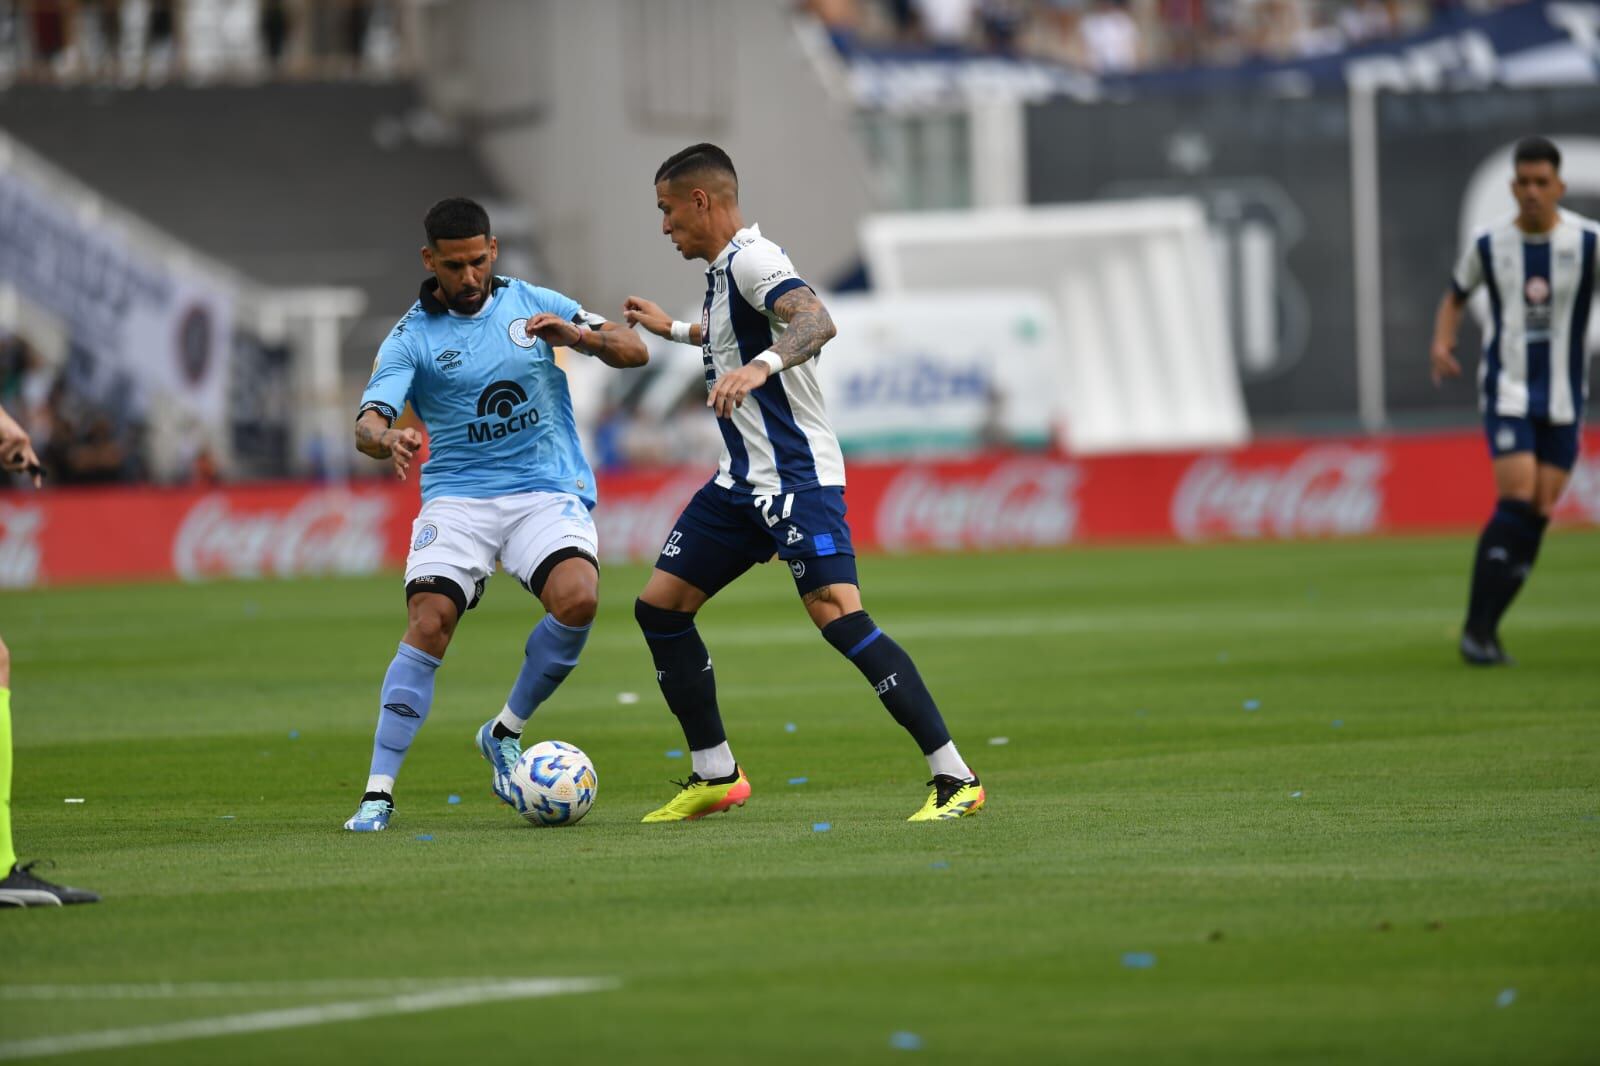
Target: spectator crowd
(1122, 36)
(136, 42)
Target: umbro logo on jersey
(448, 360)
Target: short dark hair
(697, 157)
(456, 219)
(1537, 150)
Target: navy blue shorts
(722, 533)
(1549, 443)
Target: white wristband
(680, 332)
(773, 360)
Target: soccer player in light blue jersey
(779, 490)
(506, 479)
(1538, 267)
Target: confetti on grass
(294, 734)
(674, 753)
(1138, 960)
(73, 799)
(1338, 723)
(797, 780)
(424, 836)
(627, 697)
(903, 1041)
(999, 741)
(789, 727)
(1295, 795)
(821, 827)
(940, 865)
(1252, 705)
(1506, 997)
(453, 798)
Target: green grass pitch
(1251, 808)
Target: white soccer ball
(556, 782)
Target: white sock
(510, 720)
(947, 760)
(711, 763)
(381, 783)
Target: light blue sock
(407, 698)
(552, 652)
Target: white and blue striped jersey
(496, 405)
(1541, 289)
(783, 442)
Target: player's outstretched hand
(637, 311)
(731, 389)
(554, 330)
(1444, 363)
(403, 444)
(16, 449)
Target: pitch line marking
(460, 995)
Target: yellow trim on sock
(8, 858)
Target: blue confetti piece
(674, 753)
(821, 827)
(1138, 960)
(1222, 656)
(1506, 997)
(940, 865)
(1252, 705)
(294, 734)
(225, 817)
(797, 780)
(453, 798)
(903, 1041)
(789, 727)
(1338, 723)
(424, 836)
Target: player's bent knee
(661, 622)
(575, 608)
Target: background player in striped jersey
(507, 481)
(1538, 268)
(779, 488)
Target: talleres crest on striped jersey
(557, 783)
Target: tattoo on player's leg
(821, 595)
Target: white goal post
(1145, 361)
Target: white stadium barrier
(1144, 360)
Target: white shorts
(459, 540)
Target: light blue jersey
(497, 409)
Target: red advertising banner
(1272, 490)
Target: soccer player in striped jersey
(779, 489)
(1538, 268)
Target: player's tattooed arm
(611, 343)
(377, 438)
(810, 326)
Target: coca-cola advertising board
(1279, 490)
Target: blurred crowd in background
(1122, 36)
(136, 42)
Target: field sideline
(1250, 808)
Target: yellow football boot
(697, 798)
(951, 798)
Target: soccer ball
(556, 781)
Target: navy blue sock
(548, 657)
(407, 697)
(1507, 549)
(892, 675)
(683, 670)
